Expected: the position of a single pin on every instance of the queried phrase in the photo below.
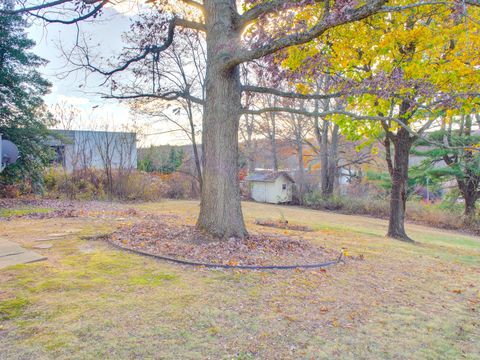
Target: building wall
(272, 192)
(95, 149)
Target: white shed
(271, 186)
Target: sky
(84, 93)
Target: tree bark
(402, 143)
(273, 142)
(332, 163)
(468, 181)
(470, 197)
(220, 208)
(193, 136)
(471, 180)
(250, 142)
(247, 131)
(324, 158)
(301, 165)
(468, 186)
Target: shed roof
(267, 175)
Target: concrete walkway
(12, 254)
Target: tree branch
(195, 4)
(313, 113)
(194, 25)
(35, 10)
(399, 8)
(292, 95)
(148, 50)
(354, 116)
(38, 7)
(88, 15)
(261, 9)
(472, 2)
(169, 96)
(329, 21)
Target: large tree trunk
(398, 197)
(220, 208)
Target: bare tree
(180, 69)
(74, 150)
(248, 127)
(296, 131)
(267, 126)
(115, 151)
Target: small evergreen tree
(146, 162)
(165, 161)
(175, 159)
(457, 159)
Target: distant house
(270, 186)
(79, 149)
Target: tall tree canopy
(23, 115)
(400, 73)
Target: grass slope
(91, 301)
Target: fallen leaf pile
(166, 237)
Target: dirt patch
(282, 225)
(170, 239)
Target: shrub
(93, 184)
(446, 214)
(180, 186)
(81, 185)
(139, 185)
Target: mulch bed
(169, 237)
(282, 225)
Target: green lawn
(91, 301)
(24, 210)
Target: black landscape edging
(222, 266)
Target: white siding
(94, 149)
(259, 191)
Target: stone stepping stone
(8, 248)
(23, 258)
(43, 246)
(57, 236)
(12, 254)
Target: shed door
(259, 191)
